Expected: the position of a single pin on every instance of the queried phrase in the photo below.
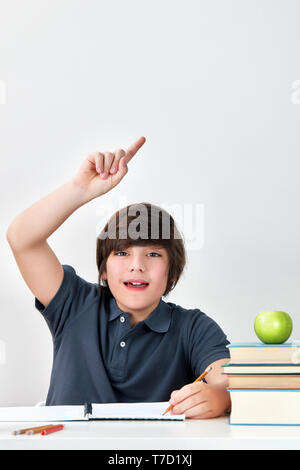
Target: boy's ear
(104, 276)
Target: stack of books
(264, 383)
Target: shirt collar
(159, 319)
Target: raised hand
(102, 171)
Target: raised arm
(28, 233)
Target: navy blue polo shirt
(99, 358)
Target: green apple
(273, 326)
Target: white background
(210, 86)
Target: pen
(59, 427)
(25, 431)
(197, 380)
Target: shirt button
(122, 319)
(122, 344)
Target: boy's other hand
(102, 171)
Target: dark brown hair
(156, 227)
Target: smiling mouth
(136, 285)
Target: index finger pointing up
(132, 149)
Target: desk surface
(210, 434)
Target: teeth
(136, 283)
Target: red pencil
(59, 427)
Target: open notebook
(140, 411)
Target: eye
(154, 253)
(118, 252)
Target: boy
(122, 342)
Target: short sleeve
(207, 343)
(72, 297)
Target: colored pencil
(24, 431)
(59, 427)
(40, 429)
(201, 377)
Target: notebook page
(153, 410)
(42, 413)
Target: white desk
(210, 434)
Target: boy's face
(141, 263)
